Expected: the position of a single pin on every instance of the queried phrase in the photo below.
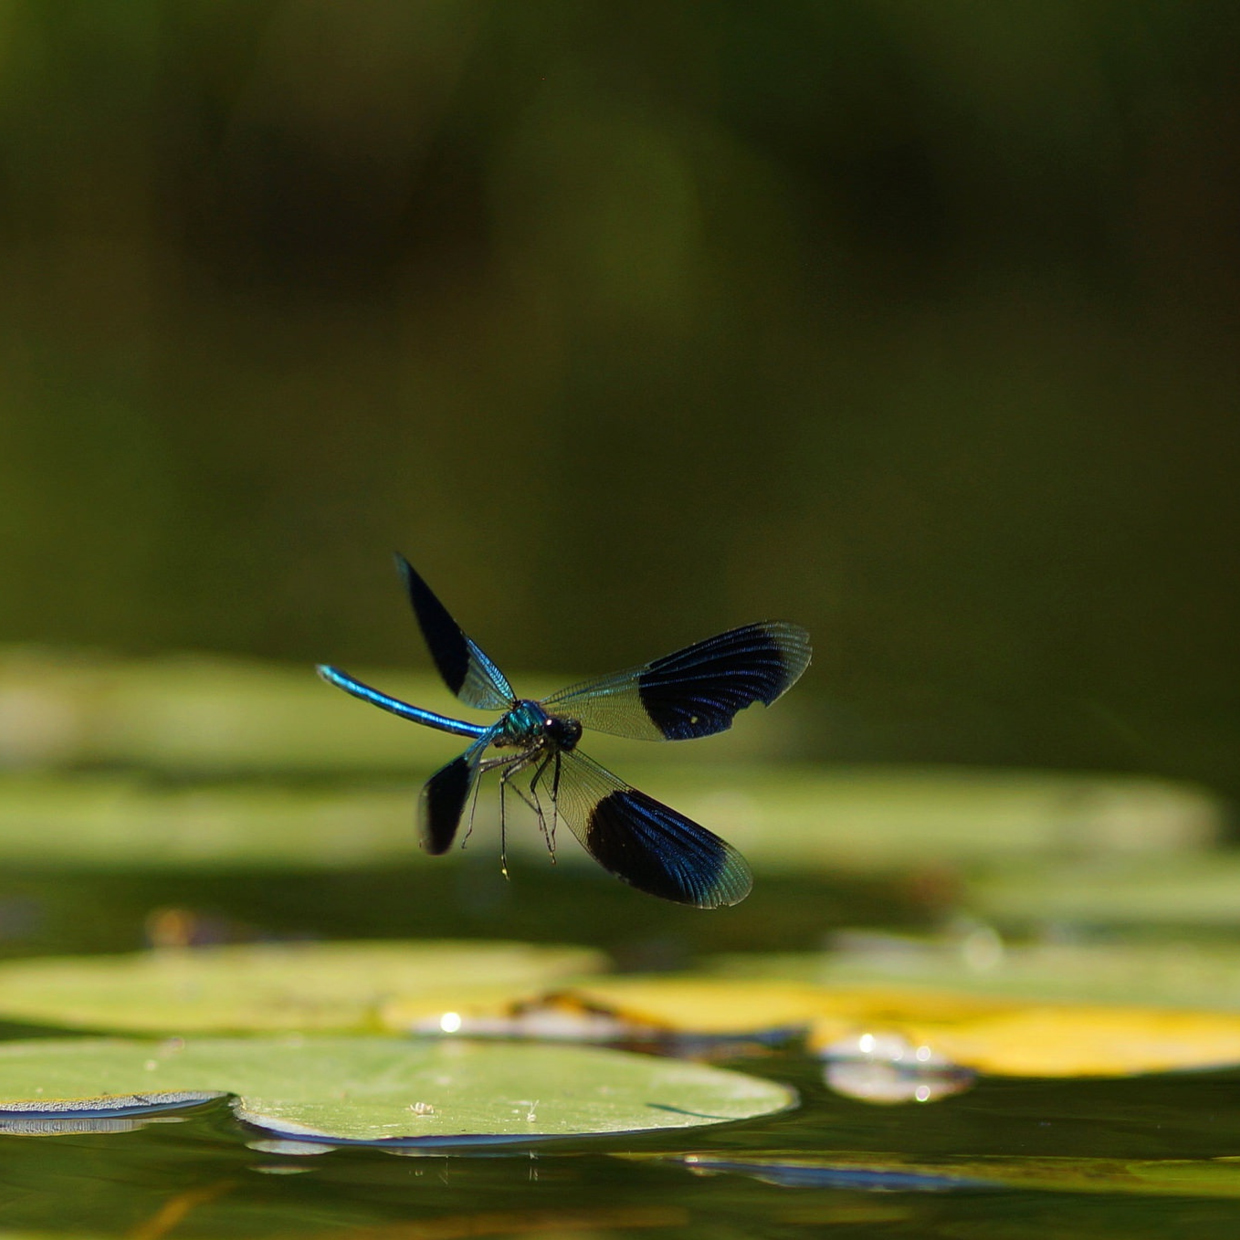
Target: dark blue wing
(464, 668)
(644, 842)
(443, 800)
(696, 691)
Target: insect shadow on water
(694, 692)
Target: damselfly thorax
(533, 771)
(530, 727)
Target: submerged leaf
(1205, 1177)
(377, 1089)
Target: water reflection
(830, 1162)
(887, 1069)
(48, 1126)
(822, 1173)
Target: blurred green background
(628, 322)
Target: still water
(1007, 1158)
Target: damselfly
(534, 745)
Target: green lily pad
(786, 820)
(383, 1090)
(1187, 974)
(113, 820)
(196, 713)
(885, 817)
(304, 987)
(212, 714)
(1200, 889)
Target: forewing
(645, 843)
(695, 692)
(443, 801)
(464, 668)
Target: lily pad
(304, 987)
(786, 820)
(213, 714)
(883, 817)
(626, 1008)
(1059, 1040)
(941, 1029)
(1192, 889)
(1187, 974)
(111, 820)
(991, 1034)
(383, 1090)
(195, 713)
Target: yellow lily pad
(307, 987)
(994, 1035)
(621, 1008)
(1069, 1040)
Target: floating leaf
(1000, 1034)
(213, 714)
(880, 817)
(944, 1029)
(1187, 890)
(614, 1009)
(195, 713)
(1068, 1040)
(1191, 974)
(377, 1089)
(786, 820)
(309, 987)
(121, 820)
